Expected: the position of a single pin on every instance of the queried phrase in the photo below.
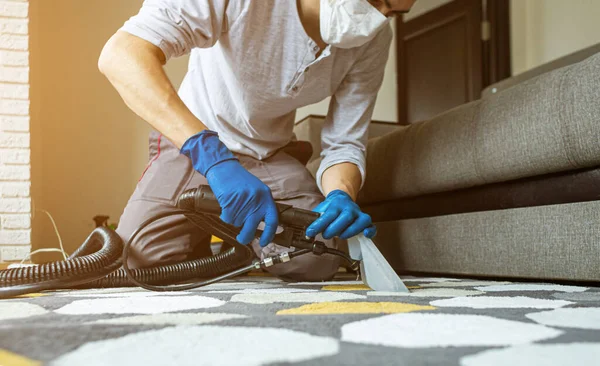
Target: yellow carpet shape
(37, 294)
(346, 288)
(355, 308)
(12, 359)
(354, 288)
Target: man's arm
(133, 61)
(135, 68)
(343, 176)
(344, 139)
(134, 57)
(345, 131)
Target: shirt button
(306, 70)
(315, 48)
(295, 89)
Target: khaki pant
(174, 239)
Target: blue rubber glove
(340, 216)
(244, 199)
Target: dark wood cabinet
(449, 54)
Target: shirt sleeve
(178, 26)
(345, 130)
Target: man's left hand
(340, 216)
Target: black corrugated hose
(97, 263)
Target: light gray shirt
(252, 65)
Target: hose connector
(276, 259)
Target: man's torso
(249, 84)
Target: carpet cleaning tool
(101, 261)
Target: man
(252, 64)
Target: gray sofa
(505, 186)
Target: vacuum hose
(97, 263)
(97, 257)
(102, 260)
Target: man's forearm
(135, 68)
(344, 176)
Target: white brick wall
(15, 200)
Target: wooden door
(445, 55)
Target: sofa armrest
(567, 60)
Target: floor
(259, 320)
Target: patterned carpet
(260, 320)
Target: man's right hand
(244, 199)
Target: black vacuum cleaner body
(101, 261)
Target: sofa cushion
(550, 242)
(545, 125)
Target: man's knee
(169, 240)
(308, 267)
(149, 250)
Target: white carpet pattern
(260, 320)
